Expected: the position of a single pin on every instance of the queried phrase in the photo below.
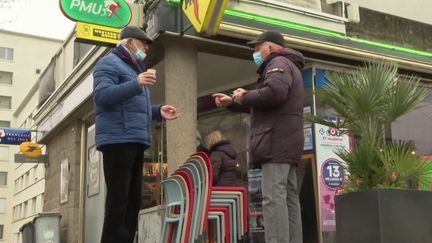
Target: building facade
(333, 36)
(22, 60)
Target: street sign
(96, 34)
(14, 136)
(205, 15)
(20, 158)
(111, 13)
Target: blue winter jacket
(123, 109)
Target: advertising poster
(331, 171)
(93, 176)
(64, 181)
(307, 130)
(256, 219)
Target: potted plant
(380, 203)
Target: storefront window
(416, 126)
(235, 127)
(322, 6)
(153, 175)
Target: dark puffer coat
(223, 158)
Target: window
(4, 153)
(3, 178)
(29, 121)
(33, 206)
(1, 231)
(4, 123)
(6, 53)
(16, 186)
(19, 211)
(41, 201)
(5, 102)
(35, 173)
(25, 209)
(6, 77)
(416, 127)
(16, 213)
(2, 205)
(27, 176)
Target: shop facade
(191, 67)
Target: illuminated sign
(31, 150)
(111, 13)
(205, 15)
(13, 136)
(96, 34)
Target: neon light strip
(304, 28)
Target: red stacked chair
(196, 178)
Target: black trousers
(123, 168)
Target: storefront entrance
(235, 127)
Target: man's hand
(238, 95)
(146, 78)
(169, 112)
(222, 100)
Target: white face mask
(139, 54)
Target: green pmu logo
(111, 13)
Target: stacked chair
(195, 211)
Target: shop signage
(307, 130)
(331, 175)
(13, 136)
(96, 34)
(31, 150)
(111, 13)
(20, 158)
(205, 15)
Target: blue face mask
(258, 59)
(139, 54)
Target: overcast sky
(36, 17)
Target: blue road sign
(13, 136)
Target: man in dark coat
(276, 109)
(124, 113)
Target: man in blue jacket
(123, 129)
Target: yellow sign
(97, 34)
(31, 150)
(205, 15)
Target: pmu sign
(96, 34)
(111, 13)
(14, 136)
(205, 15)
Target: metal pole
(161, 158)
(82, 183)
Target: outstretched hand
(222, 100)
(169, 112)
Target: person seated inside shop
(223, 158)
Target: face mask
(139, 54)
(258, 59)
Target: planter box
(384, 216)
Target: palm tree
(366, 102)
